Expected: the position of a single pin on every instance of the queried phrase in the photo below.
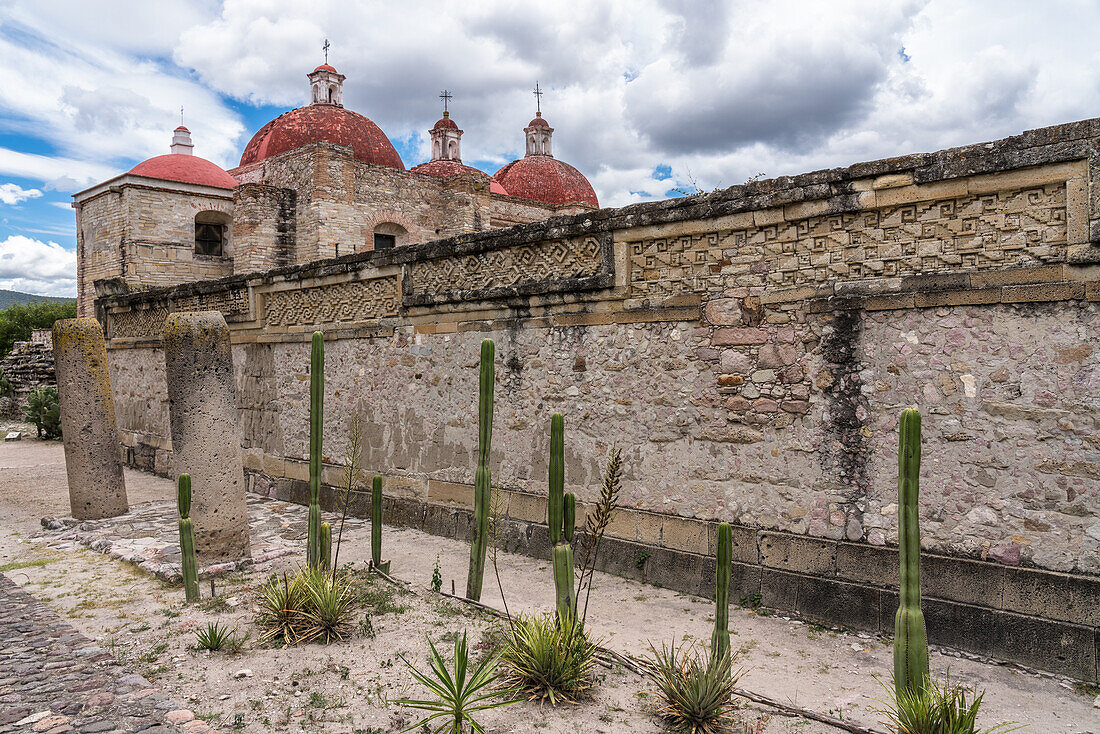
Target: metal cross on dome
(538, 98)
(446, 97)
(325, 49)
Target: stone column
(93, 453)
(206, 437)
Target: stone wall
(28, 365)
(750, 350)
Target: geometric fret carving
(230, 302)
(1003, 229)
(138, 323)
(361, 300)
(535, 267)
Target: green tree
(17, 321)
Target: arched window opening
(388, 235)
(331, 93)
(452, 150)
(211, 233)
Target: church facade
(317, 182)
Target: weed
(16, 565)
(366, 627)
(213, 637)
(437, 576)
(751, 601)
(641, 558)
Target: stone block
(738, 336)
(1065, 597)
(450, 493)
(1016, 276)
(962, 580)
(867, 564)
(684, 534)
(206, 443)
(798, 553)
(675, 570)
(838, 603)
(967, 297)
(1059, 647)
(526, 507)
(959, 626)
(93, 463)
(778, 590)
(1042, 292)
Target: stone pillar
(93, 453)
(206, 437)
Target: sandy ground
(348, 686)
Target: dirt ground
(348, 686)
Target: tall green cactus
(188, 562)
(555, 505)
(326, 545)
(568, 516)
(479, 543)
(910, 641)
(720, 639)
(316, 424)
(563, 580)
(376, 526)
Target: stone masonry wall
(750, 351)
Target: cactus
(316, 423)
(376, 527)
(326, 544)
(563, 580)
(910, 642)
(188, 563)
(483, 492)
(554, 508)
(568, 516)
(720, 639)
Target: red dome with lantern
(180, 165)
(540, 176)
(323, 120)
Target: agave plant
(459, 693)
(309, 606)
(547, 658)
(936, 708)
(282, 600)
(695, 692)
(213, 637)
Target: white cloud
(723, 89)
(11, 194)
(33, 266)
(56, 172)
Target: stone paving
(54, 680)
(148, 535)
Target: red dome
(445, 122)
(547, 179)
(538, 122)
(185, 169)
(326, 67)
(323, 123)
(496, 188)
(443, 169)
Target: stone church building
(316, 182)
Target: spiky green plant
(326, 545)
(188, 562)
(695, 693)
(213, 637)
(479, 542)
(555, 505)
(936, 708)
(376, 526)
(311, 605)
(316, 426)
(458, 693)
(548, 658)
(910, 641)
(282, 601)
(720, 639)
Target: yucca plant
(458, 693)
(935, 708)
(694, 691)
(329, 612)
(282, 601)
(547, 658)
(213, 637)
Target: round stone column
(206, 434)
(93, 453)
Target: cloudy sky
(647, 98)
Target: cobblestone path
(53, 679)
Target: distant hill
(10, 298)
